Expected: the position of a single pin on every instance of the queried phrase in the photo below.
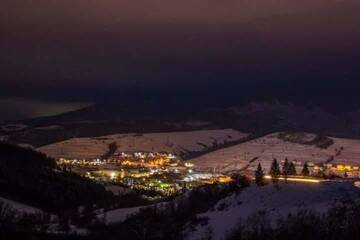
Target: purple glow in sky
(89, 44)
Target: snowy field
(247, 155)
(173, 142)
(276, 202)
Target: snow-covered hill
(247, 155)
(275, 202)
(172, 142)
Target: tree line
(287, 169)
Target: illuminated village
(165, 174)
(159, 172)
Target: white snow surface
(25, 145)
(171, 142)
(20, 207)
(49, 128)
(276, 202)
(12, 127)
(118, 190)
(264, 149)
(118, 215)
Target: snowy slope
(118, 215)
(351, 153)
(21, 208)
(289, 198)
(264, 149)
(172, 142)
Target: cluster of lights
(144, 170)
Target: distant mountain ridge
(258, 118)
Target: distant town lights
(113, 175)
(187, 164)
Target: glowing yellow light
(112, 175)
(189, 164)
(225, 179)
(357, 184)
(307, 180)
(348, 167)
(340, 167)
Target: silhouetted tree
(286, 169)
(305, 171)
(292, 169)
(275, 171)
(259, 176)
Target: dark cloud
(87, 49)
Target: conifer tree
(285, 169)
(259, 176)
(292, 169)
(305, 171)
(275, 171)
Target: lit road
(297, 179)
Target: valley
(140, 172)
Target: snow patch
(118, 215)
(13, 127)
(49, 128)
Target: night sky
(211, 51)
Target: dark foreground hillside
(30, 177)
